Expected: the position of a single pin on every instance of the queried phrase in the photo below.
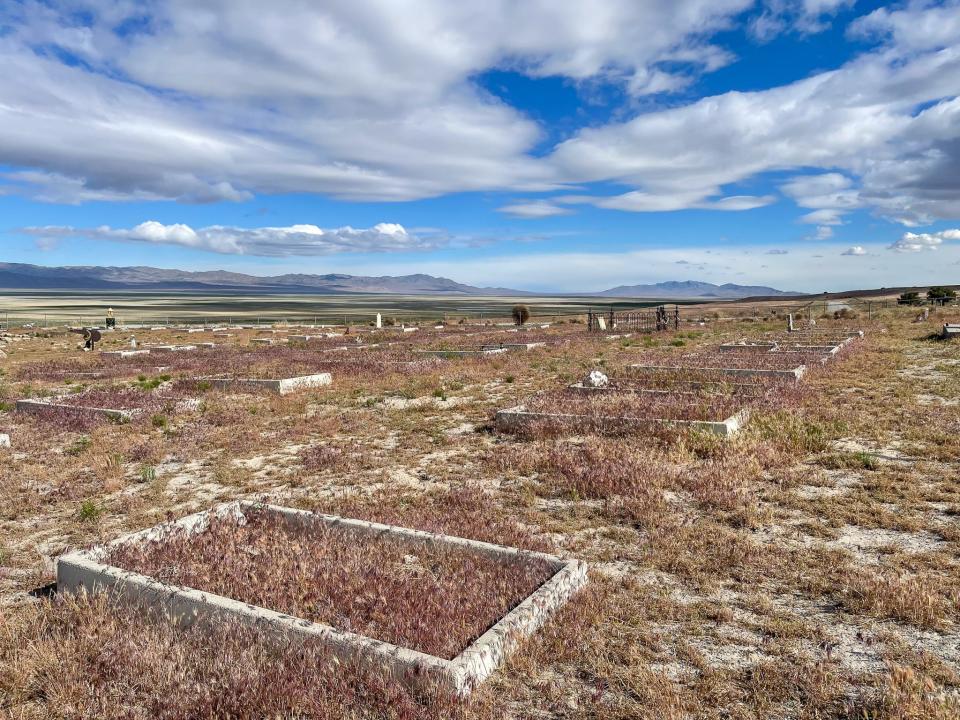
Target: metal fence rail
(658, 319)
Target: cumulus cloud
(103, 100)
(855, 250)
(824, 232)
(918, 242)
(534, 209)
(886, 125)
(295, 240)
(829, 195)
(360, 100)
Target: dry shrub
(333, 458)
(909, 695)
(923, 599)
(723, 483)
(601, 468)
(794, 682)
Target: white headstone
(4, 440)
(379, 321)
(133, 342)
(596, 379)
(601, 323)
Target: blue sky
(805, 144)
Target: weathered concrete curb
(793, 374)
(267, 341)
(40, 407)
(516, 347)
(171, 348)
(518, 418)
(689, 388)
(123, 353)
(763, 347)
(281, 386)
(84, 571)
(451, 354)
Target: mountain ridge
(24, 276)
(683, 289)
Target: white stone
(379, 321)
(596, 379)
(4, 440)
(601, 323)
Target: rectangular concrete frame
(515, 347)
(692, 388)
(84, 571)
(950, 330)
(123, 353)
(779, 348)
(516, 418)
(281, 386)
(172, 348)
(763, 347)
(451, 354)
(39, 407)
(792, 375)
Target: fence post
(676, 317)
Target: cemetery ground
(807, 567)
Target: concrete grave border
(759, 346)
(452, 354)
(518, 417)
(171, 348)
(515, 347)
(791, 375)
(40, 407)
(281, 385)
(123, 353)
(84, 571)
(689, 388)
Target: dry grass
(807, 568)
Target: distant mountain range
(22, 276)
(684, 289)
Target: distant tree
(909, 298)
(939, 294)
(521, 313)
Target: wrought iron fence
(656, 319)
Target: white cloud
(804, 16)
(886, 127)
(918, 242)
(295, 240)
(855, 250)
(358, 99)
(534, 209)
(212, 101)
(829, 195)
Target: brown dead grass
(726, 583)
